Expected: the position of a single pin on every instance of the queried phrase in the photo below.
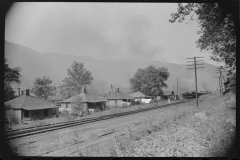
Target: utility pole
(219, 84)
(177, 88)
(19, 92)
(219, 70)
(112, 88)
(195, 68)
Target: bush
(11, 117)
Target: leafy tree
(78, 107)
(11, 76)
(218, 22)
(42, 87)
(150, 80)
(78, 77)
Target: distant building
(57, 98)
(88, 101)
(118, 99)
(168, 94)
(29, 107)
(139, 96)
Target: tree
(42, 87)
(11, 76)
(78, 107)
(218, 22)
(150, 80)
(78, 77)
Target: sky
(117, 31)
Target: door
(45, 113)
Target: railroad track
(18, 133)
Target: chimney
(27, 92)
(85, 90)
(19, 92)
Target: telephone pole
(219, 84)
(177, 88)
(195, 68)
(219, 70)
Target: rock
(201, 115)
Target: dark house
(31, 108)
(168, 94)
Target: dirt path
(134, 135)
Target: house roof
(58, 97)
(85, 98)
(118, 95)
(29, 103)
(139, 94)
(168, 93)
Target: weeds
(11, 117)
(79, 153)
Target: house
(29, 107)
(118, 99)
(202, 92)
(139, 96)
(168, 94)
(57, 98)
(89, 101)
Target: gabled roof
(139, 94)
(168, 93)
(118, 95)
(29, 103)
(85, 98)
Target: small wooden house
(168, 94)
(28, 107)
(89, 101)
(118, 99)
(139, 96)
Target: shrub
(11, 117)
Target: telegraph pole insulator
(195, 68)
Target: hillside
(105, 72)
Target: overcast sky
(116, 31)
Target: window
(36, 112)
(26, 113)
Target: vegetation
(78, 107)
(11, 76)
(11, 117)
(150, 80)
(78, 77)
(218, 23)
(42, 87)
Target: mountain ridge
(104, 71)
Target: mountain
(105, 72)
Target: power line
(195, 68)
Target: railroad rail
(18, 133)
